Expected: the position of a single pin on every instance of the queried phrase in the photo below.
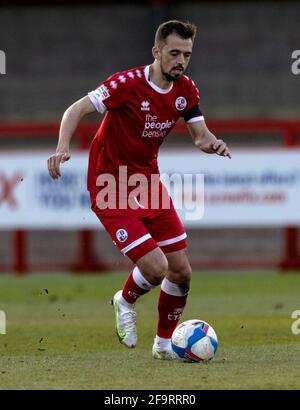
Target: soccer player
(141, 107)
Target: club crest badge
(121, 235)
(180, 103)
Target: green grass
(65, 339)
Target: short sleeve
(112, 93)
(192, 113)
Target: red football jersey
(139, 115)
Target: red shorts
(137, 232)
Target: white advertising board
(254, 188)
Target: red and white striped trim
(195, 119)
(172, 288)
(172, 240)
(140, 280)
(136, 243)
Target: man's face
(174, 56)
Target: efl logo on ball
(180, 103)
(121, 235)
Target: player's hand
(54, 163)
(220, 148)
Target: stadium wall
(241, 61)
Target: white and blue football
(194, 341)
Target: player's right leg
(148, 273)
(130, 235)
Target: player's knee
(155, 270)
(158, 271)
(181, 274)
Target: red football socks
(135, 286)
(170, 309)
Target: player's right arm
(109, 95)
(69, 123)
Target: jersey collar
(154, 86)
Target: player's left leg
(171, 303)
(167, 229)
(174, 292)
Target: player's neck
(155, 76)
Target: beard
(169, 76)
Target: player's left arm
(206, 140)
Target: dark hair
(184, 30)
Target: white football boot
(163, 351)
(125, 321)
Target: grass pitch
(60, 334)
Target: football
(194, 341)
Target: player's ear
(156, 53)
